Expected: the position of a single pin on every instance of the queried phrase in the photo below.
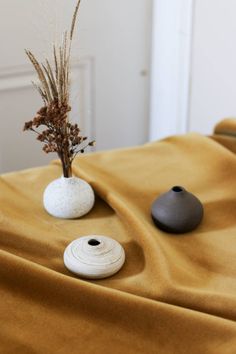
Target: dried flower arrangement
(60, 135)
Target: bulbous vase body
(68, 198)
(177, 211)
(94, 256)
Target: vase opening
(94, 242)
(177, 189)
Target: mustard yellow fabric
(226, 127)
(225, 133)
(175, 293)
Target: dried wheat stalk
(60, 135)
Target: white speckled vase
(68, 198)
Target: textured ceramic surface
(68, 198)
(94, 257)
(177, 211)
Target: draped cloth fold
(225, 133)
(175, 293)
(226, 127)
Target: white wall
(213, 72)
(193, 66)
(171, 53)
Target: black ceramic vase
(177, 211)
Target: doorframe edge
(171, 67)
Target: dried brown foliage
(60, 135)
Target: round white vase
(94, 256)
(68, 198)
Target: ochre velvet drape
(175, 293)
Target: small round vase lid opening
(177, 189)
(93, 242)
